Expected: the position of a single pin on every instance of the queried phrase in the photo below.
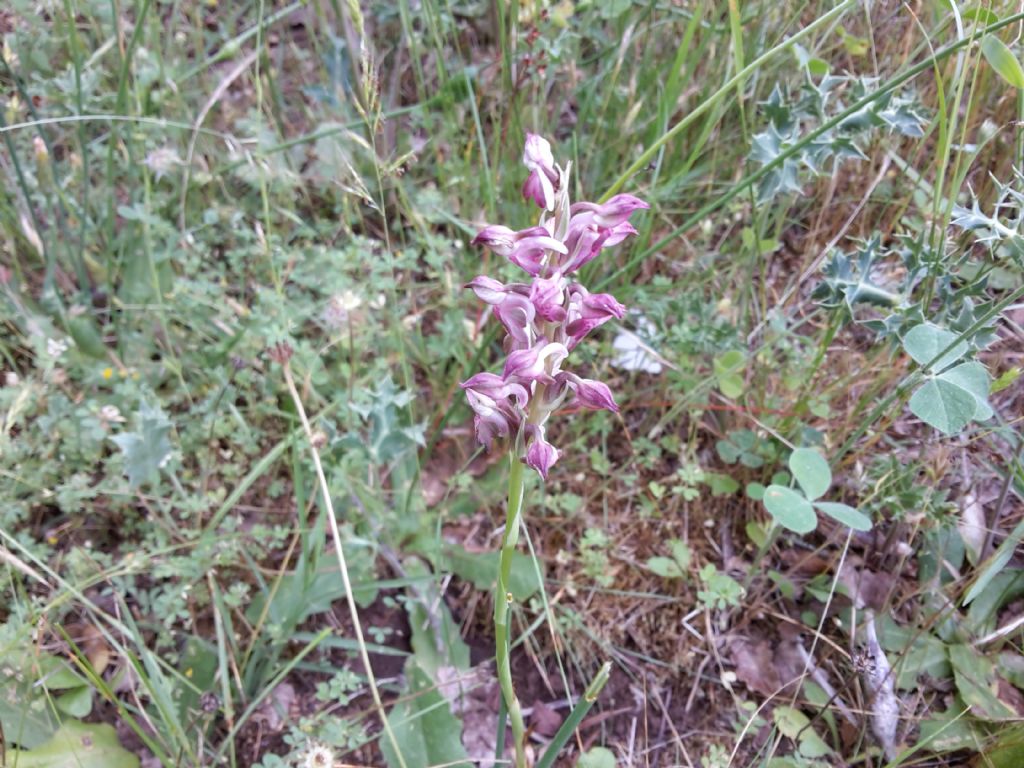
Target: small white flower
(110, 414)
(349, 301)
(56, 347)
(161, 161)
(340, 307)
(318, 756)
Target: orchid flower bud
(540, 184)
(589, 393)
(498, 238)
(540, 454)
(488, 290)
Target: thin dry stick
(342, 565)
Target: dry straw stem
(332, 520)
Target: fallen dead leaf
(755, 664)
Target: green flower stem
(502, 601)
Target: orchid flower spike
(547, 317)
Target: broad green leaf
(855, 46)
(811, 472)
(77, 702)
(923, 342)
(26, 715)
(198, 665)
(436, 640)
(1011, 668)
(944, 405)
(926, 655)
(816, 697)
(425, 729)
(729, 372)
(613, 8)
(949, 731)
(976, 681)
(87, 336)
(812, 745)
(995, 564)
(789, 720)
(790, 509)
(481, 569)
(1003, 61)
(786, 587)
(845, 514)
(77, 745)
(981, 14)
(1007, 751)
(983, 612)
(972, 377)
(28, 720)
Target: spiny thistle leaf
(147, 449)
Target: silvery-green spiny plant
(544, 320)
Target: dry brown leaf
(544, 720)
(755, 664)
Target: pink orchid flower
(547, 317)
(617, 210)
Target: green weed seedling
(795, 509)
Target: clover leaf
(952, 395)
(795, 509)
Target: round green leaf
(597, 757)
(812, 745)
(729, 372)
(1002, 60)
(665, 567)
(790, 509)
(973, 378)
(790, 721)
(923, 342)
(943, 405)
(811, 472)
(755, 491)
(845, 514)
(77, 702)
